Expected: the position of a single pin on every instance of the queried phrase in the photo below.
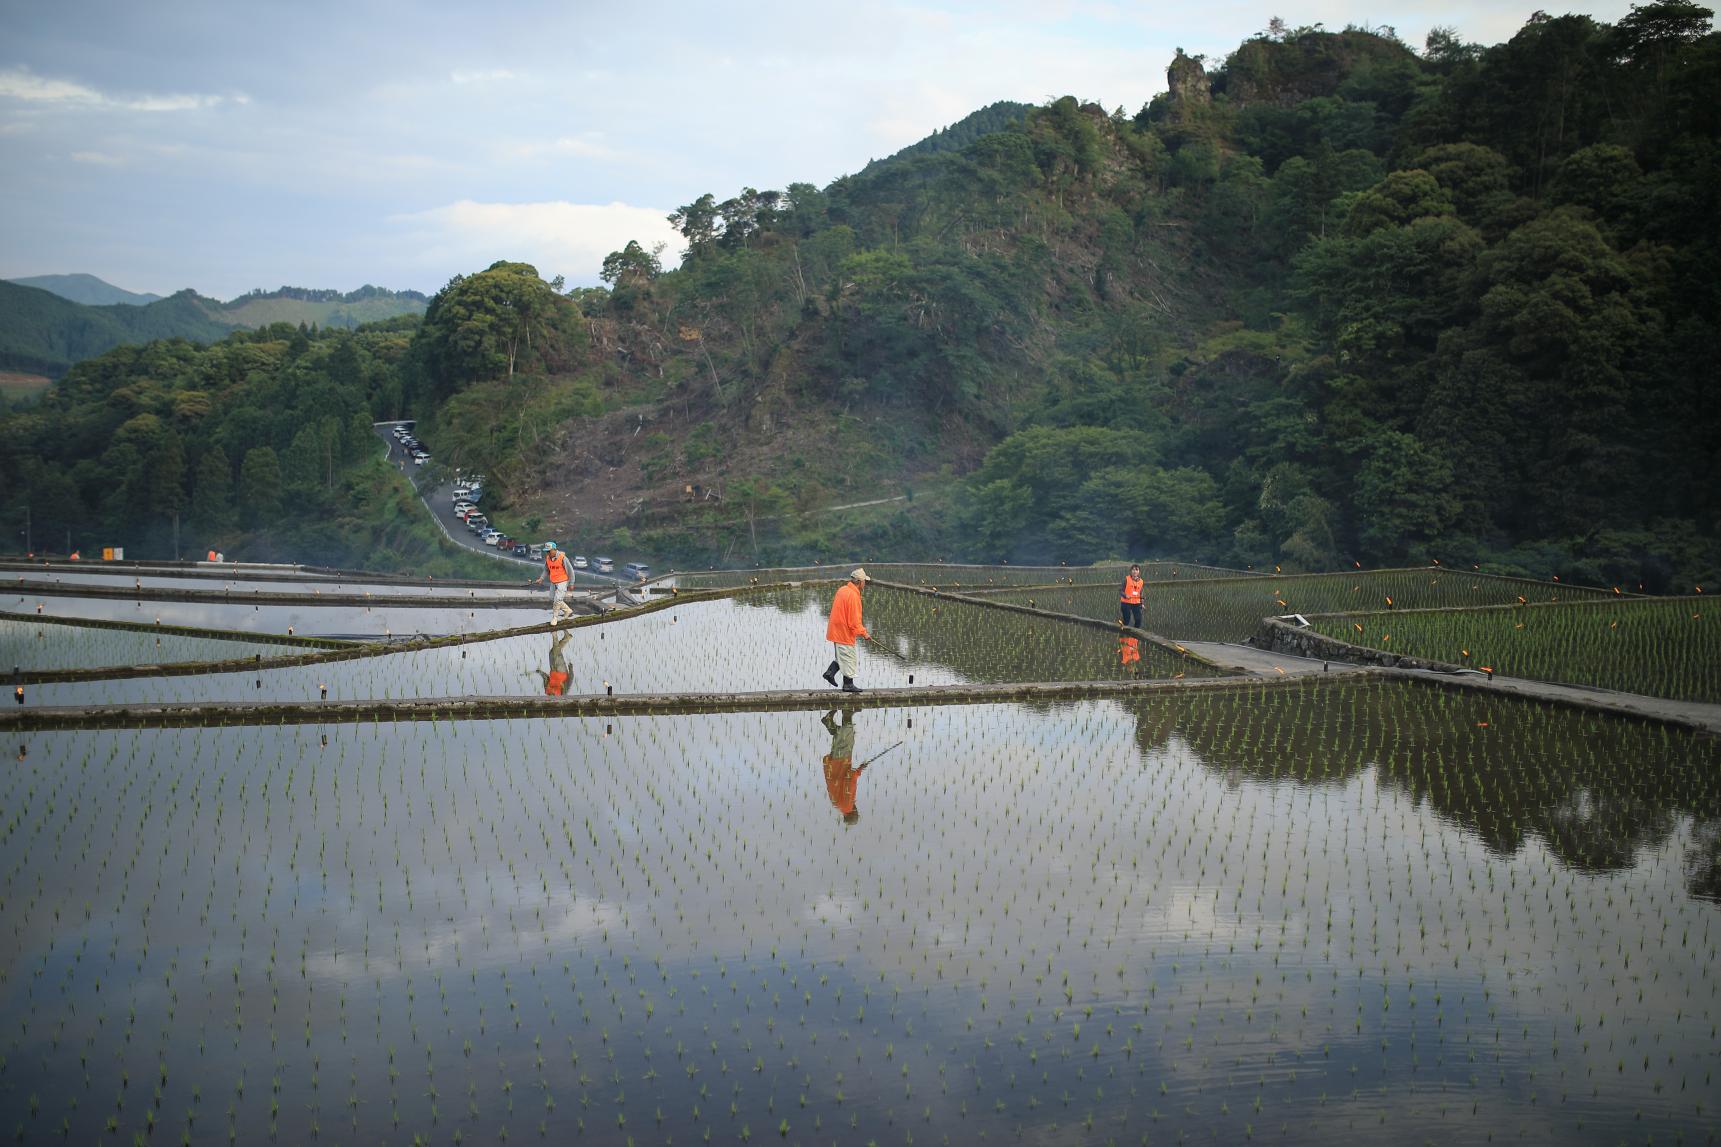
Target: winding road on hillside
(439, 502)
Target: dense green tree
(482, 326)
(212, 496)
(259, 487)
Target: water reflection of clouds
(1217, 944)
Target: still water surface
(1333, 913)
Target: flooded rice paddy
(1663, 647)
(945, 576)
(239, 587)
(1229, 609)
(1328, 912)
(762, 640)
(43, 644)
(308, 620)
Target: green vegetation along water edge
(1664, 647)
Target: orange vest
(1131, 590)
(211, 555)
(842, 783)
(557, 566)
(557, 684)
(1129, 650)
(845, 624)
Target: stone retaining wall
(1283, 637)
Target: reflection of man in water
(556, 680)
(1129, 653)
(842, 776)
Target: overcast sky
(225, 146)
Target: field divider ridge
(215, 713)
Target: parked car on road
(636, 571)
(580, 563)
(521, 549)
(604, 565)
(535, 551)
(476, 522)
(461, 509)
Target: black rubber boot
(849, 685)
(831, 675)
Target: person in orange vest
(75, 556)
(556, 568)
(845, 625)
(557, 679)
(211, 555)
(842, 777)
(1129, 597)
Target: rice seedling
(1335, 910)
(1218, 906)
(762, 640)
(42, 644)
(1228, 609)
(1664, 647)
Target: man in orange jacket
(845, 625)
(1129, 597)
(557, 570)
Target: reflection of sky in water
(774, 641)
(309, 620)
(1036, 920)
(44, 645)
(240, 586)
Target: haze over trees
(1331, 299)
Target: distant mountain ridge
(87, 289)
(43, 330)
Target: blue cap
(549, 545)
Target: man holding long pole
(845, 625)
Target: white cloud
(556, 237)
(98, 158)
(490, 76)
(23, 84)
(580, 147)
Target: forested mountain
(260, 445)
(325, 308)
(86, 289)
(1332, 300)
(43, 331)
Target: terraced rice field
(1322, 913)
(1330, 911)
(1229, 609)
(1663, 647)
(955, 576)
(757, 641)
(310, 619)
(43, 644)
